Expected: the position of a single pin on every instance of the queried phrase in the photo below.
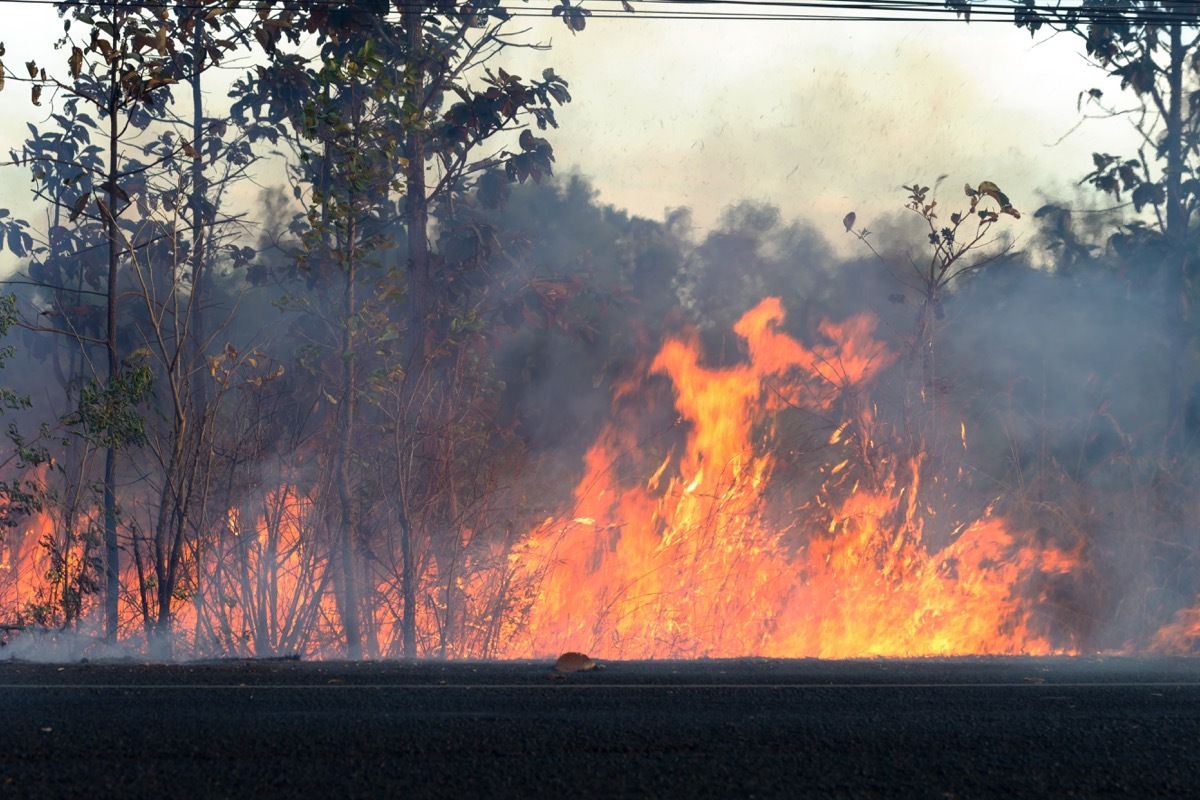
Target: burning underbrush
(704, 557)
(764, 507)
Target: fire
(698, 537)
(698, 566)
(46, 573)
(30, 569)
(875, 591)
(269, 575)
(1180, 636)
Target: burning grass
(696, 541)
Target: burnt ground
(961, 728)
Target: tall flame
(699, 538)
(696, 566)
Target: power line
(1187, 14)
(903, 10)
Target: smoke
(1043, 404)
(1063, 380)
(82, 643)
(1040, 395)
(1046, 403)
(820, 119)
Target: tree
(1153, 47)
(121, 183)
(957, 249)
(121, 73)
(377, 107)
(402, 328)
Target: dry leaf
(574, 662)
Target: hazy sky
(817, 117)
(821, 117)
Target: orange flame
(695, 568)
(1180, 636)
(696, 548)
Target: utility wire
(1186, 13)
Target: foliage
(17, 497)
(375, 454)
(1153, 47)
(106, 413)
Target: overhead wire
(1186, 13)
(902, 11)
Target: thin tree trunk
(111, 551)
(349, 515)
(1175, 285)
(408, 586)
(419, 299)
(350, 608)
(416, 203)
(199, 332)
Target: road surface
(957, 728)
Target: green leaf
(14, 242)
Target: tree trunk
(197, 329)
(350, 604)
(1176, 235)
(416, 202)
(112, 584)
(419, 300)
(408, 586)
(345, 444)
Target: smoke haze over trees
(433, 399)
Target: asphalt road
(963, 728)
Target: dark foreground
(748, 728)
